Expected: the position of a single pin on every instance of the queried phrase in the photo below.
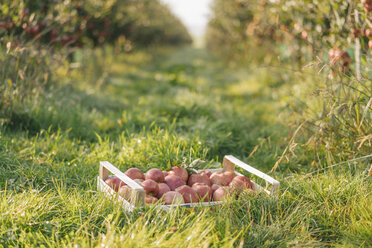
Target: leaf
(196, 164)
(99, 138)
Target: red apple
(304, 35)
(125, 192)
(220, 178)
(214, 187)
(165, 173)
(135, 173)
(174, 181)
(335, 56)
(216, 178)
(114, 182)
(343, 69)
(172, 197)
(331, 53)
(338, 54)
(180, 171)
(150, 186)
(189, 195)
(35, 30)
(163, 188)
(368, 7)
(229, 175)
(206, 172)
(240, 183)
(221, 193)
(368, 32)
(155, 174)
(199, 178)
(203, 191)
(149, 200)
(345, 57)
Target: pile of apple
(177, 186)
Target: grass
(158, 110)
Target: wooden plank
(228, 165)
(113, 195)
(139, 198)
(256, 186)
(103, 173)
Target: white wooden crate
(138, 193)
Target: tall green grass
(160, 110)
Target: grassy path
(158, 111)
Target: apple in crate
(150, 186)
(165, 173)
(149, 200)
(241, 183)
(198, 178)
(203, 191)
(125, 192)
(174, 181)
(221, 193)
(189, 195)
(163, 188)
(172, 197)
(220, 178)
(206, 172)
(114, 182)
(214, 187)
(229, 175)
(135, 173)
(155, 174)
(179, 171)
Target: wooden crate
(138, 193)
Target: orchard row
(77, 23)
(303, 28)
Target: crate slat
(113, 195)
(140, 193)
(231, 160)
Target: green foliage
(333, 109)
(77, 23)
(294, 30)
